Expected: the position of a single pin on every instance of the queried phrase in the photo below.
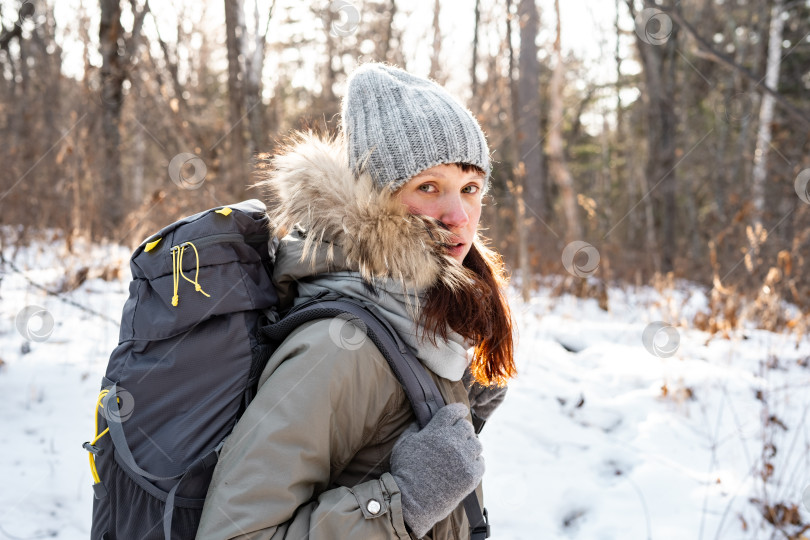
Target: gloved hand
(437, 467)
(483, 399)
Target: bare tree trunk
(112, 80)
(531, 148)
(657, 61)
(117, 51)
(49, 59)
(618, 59)
(76, 207)
(639, 181)
(234, 33)
(139, 151)
(389, 32)
(619, 140)
(473, 77)
(766, 110)
(638, 186)
(84, 33)
(327, 98)
(606, 173)
(747, 50)
(557, 165)
(396, 54)
(519, 171)
(435, 70)
(254, 61)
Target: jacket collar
(346, 223)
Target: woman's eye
(471, 189)
(427, 188)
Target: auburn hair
(478, 310)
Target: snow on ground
(587, 444)
(47, 396)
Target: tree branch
(707, 51)
(132, 42)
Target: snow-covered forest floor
(605, 434)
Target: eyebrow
(426, 173)
(442, 175)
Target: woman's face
(453, 197)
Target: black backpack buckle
(95, 450)
(481, 531)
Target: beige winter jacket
(309, 459)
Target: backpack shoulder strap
(419, 387)
(422, 392)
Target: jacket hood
(346, 223)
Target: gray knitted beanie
(403, 124)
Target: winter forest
(650, 197)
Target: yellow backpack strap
(93, 450)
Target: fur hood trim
(311, 185)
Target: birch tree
(766, 110)
(435, 70)
(473, 77)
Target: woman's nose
(453, 212)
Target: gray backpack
(197, 329)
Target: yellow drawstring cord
(177, 271)
(197, 286)
(176, 260)
(97, 436)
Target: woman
(387, 212)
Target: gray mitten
(437, 467)
(483, 399)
